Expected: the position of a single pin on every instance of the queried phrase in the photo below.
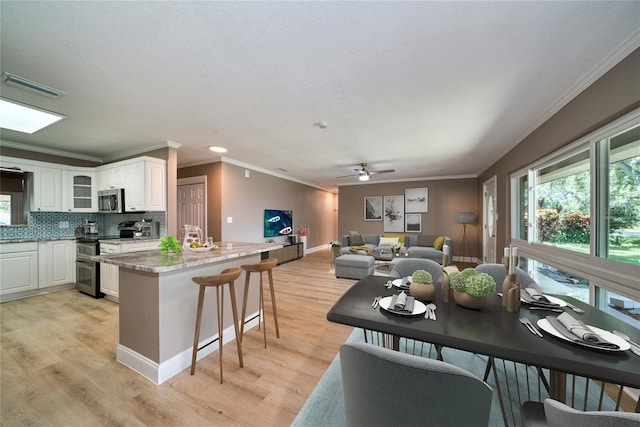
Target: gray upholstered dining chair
(556, 414)
(383, 387)
(406, 267)
(498, 272)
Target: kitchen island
(158, 304)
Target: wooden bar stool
(264, 265)
(217, 281)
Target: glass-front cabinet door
(80, 194)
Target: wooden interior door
(192, 204)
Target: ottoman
(354, 266)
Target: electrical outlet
(63, 224)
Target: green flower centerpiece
(170, 244)
(470, 288)
(421, 286)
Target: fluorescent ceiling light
(25, 118)
(217, 149)
(31, 86)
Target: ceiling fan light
(364, 177)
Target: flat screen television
(277, 222)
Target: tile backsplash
(42, 225)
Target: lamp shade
(465, 218)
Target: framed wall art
(416, 199)
(393, 214)
(413, 223)
(373, 208)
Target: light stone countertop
(153, 261)
(35, 239)
(123, 241)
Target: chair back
(498, 272)
(383, 387)
(560, 415)
(406, 267)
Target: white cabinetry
(145, 184)
(109, 284)
(57, 262)
(18, 267)
(109, 273)
(79, 190)
(110, 176)
(46, 195)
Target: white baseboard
(159, 373)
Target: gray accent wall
(610, 97)
(446, 197)
(231, 194)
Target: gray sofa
(415, 246)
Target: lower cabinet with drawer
(109, 273)
(18, 267)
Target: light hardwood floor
(58, 367)
(58, 362)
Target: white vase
(303, 240)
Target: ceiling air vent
(22, 83)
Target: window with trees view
(578, 210)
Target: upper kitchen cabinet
(110, 176)
(145, 185)
(46, 189)
(79, 192)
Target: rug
(325, 405)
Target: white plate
(398, 282)
(608, 336)
(201, 249)
(418, 307)
(551, 299)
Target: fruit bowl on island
(198, 247)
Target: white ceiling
(430, 89)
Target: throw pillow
(388, 241)
(424, 241)
(399, 236)
(438, 243)
(355, 239)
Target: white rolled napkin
(402, 302)
(578, 328)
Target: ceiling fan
(363, 174)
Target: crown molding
(421, 178)
(50, 151)
(142, 150)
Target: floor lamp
(465, 218)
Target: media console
(287, 253)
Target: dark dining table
(494, 332)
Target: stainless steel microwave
(111, 201)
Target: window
(619, 197)
(5, 209)
(563, 200)
(556, 281)
(576, 215)
(521, 208)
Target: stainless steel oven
(87, 270)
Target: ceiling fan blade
(382, 171)
(347, 176)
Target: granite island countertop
(153, 261)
